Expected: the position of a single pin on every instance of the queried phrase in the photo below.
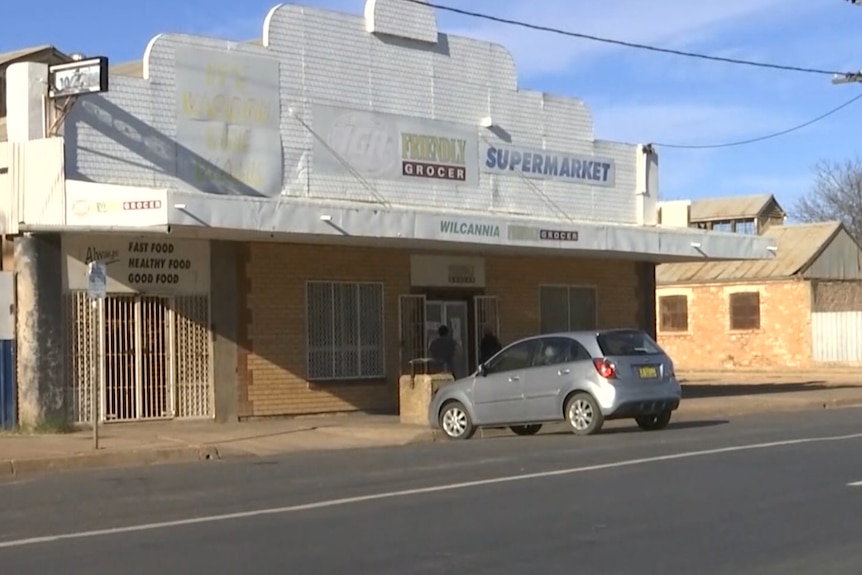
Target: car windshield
(630, 342)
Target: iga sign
(148, 265)
(390, 147)
(548, 165)
(94, 205)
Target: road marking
(855, 484)
(416, 491)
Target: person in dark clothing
(489, 346)
(443, 350)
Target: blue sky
(635, 96)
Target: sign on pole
(97, 286)
(85, 76)
(97, 280)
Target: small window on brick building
(673, 313)
(745, 310)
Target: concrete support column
(26, 86)
(646, 297)
(224, 302)
(41, 338)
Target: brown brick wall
(272, 355)
(783, 340)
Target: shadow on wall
(168, 156)
(694, 391)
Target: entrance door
(452, 314)
(136, 356)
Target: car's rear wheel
(655, 421)
(584, 415)
(455, 421)
(526, 429)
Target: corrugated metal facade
(836, 337)
(330, 58)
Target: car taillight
(605, 368)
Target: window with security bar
(344, 330)
(673, 313)
(567, 308)
(745, 310)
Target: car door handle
(564, 372)
(514, 378)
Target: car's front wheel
(455, 421)
(526, 429)
(655, 421)
(584, 415)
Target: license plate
(648, 371)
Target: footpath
(706, 395)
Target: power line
(635, 45)
(762, 138)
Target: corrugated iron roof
(134, 69)
(9, 57)
(729, 207)
(798, 246)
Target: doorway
(137, 378)
(420, 317)
(454, 315)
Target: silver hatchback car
(583, 378)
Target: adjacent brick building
(800, 309)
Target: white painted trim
(300, 216)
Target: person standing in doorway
(443, 349)
(489, 346)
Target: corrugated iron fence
(837, 337)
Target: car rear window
(631, 342)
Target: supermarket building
(285, 223)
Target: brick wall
(516, 280)
(272, 360)
(783, 340)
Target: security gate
(153, 360)
(136, 363)
(411, 329)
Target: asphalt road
(751, 496)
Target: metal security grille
(154, 391)
(81, 339)
(411, 336)
(345, 330)
(120, 359)
(487, 318)
(564, 308)
(193, 359)
(154, 360)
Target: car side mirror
(482, 371)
